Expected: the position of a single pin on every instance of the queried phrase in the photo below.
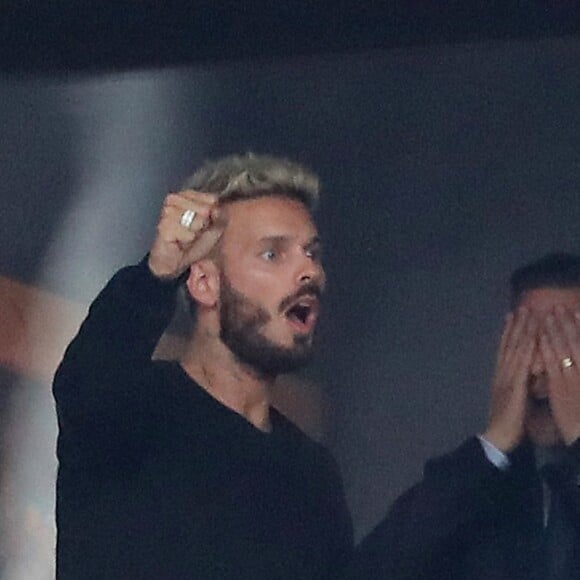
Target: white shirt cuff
(493, 454)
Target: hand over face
(509, 390)
(188, 228)
(560, 349)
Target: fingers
(551, 363)
(175, 225)
(518, 340)
(198, 196)
(507, 329)
(509, 389)
(204, 244)
(189, 199)
(565, 326)
(516, 353)
(555, 337)
(519, 351)
(188, 227)
(559, 342)
(203, 205)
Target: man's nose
(311, 271)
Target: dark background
(446, 135)
(89, 35)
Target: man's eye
(269, 255)
(313, 254)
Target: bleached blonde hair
(249, 176)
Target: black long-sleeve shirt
(158, 480)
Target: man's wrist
(163, 278)
(494, 455)
(502, 442)
(572, 439)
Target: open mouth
(303, 313)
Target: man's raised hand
(189, 227)
(509, 389)
(560, 347)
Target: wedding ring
(187, 218)
(566, 362)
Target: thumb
(207, 241)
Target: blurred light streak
(119, 120)
(129, 133)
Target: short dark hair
(554, 270)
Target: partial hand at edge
(561, 340)
(177, 247)
(505, 428)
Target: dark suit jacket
(468, 520)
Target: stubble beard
(241, 322)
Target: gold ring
(566, 362)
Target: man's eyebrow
(314, 241)
(279, 239)
(276, 239)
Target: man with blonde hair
(183, 470)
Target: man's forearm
(118, 336)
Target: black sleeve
(99, 387)
(429, 524)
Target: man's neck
(233, 384)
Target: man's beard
(240, 323)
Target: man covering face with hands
(183, 470)
(505, 505)
(536, 392)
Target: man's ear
(203, 283)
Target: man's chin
(282, 365)
(274, 359)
